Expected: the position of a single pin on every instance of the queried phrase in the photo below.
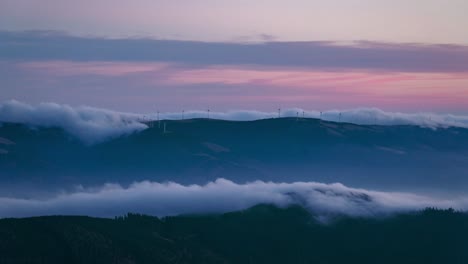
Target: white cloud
(94, 125)
(362, 116)
(162, 199)
(87, 123)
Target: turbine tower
(159, 120)
(146, 119)
(279, 112)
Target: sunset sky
(144, 55)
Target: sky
(427, 21)
(169, 55)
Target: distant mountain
(262, 234)
(200, 150)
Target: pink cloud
(244, 85)
(372, 82)
(102, 68)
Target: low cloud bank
(163, 199)
(89, 124)
(362, 116)
(93, 125)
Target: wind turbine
(279, 112)
(159, 121)
(145, 119)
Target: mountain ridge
(201, 150)
(261, 234)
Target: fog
(164, 199)
(93, 125)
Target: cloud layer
(139, 73)
(89, 124)
(50, 45)
(163, 199)
(362, 116)
(92, 125)
(140, 86)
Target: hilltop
(200, 150)
(261, 234)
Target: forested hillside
(262, 234)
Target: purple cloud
(49, 45)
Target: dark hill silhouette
(262, 234)
(200, 150)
